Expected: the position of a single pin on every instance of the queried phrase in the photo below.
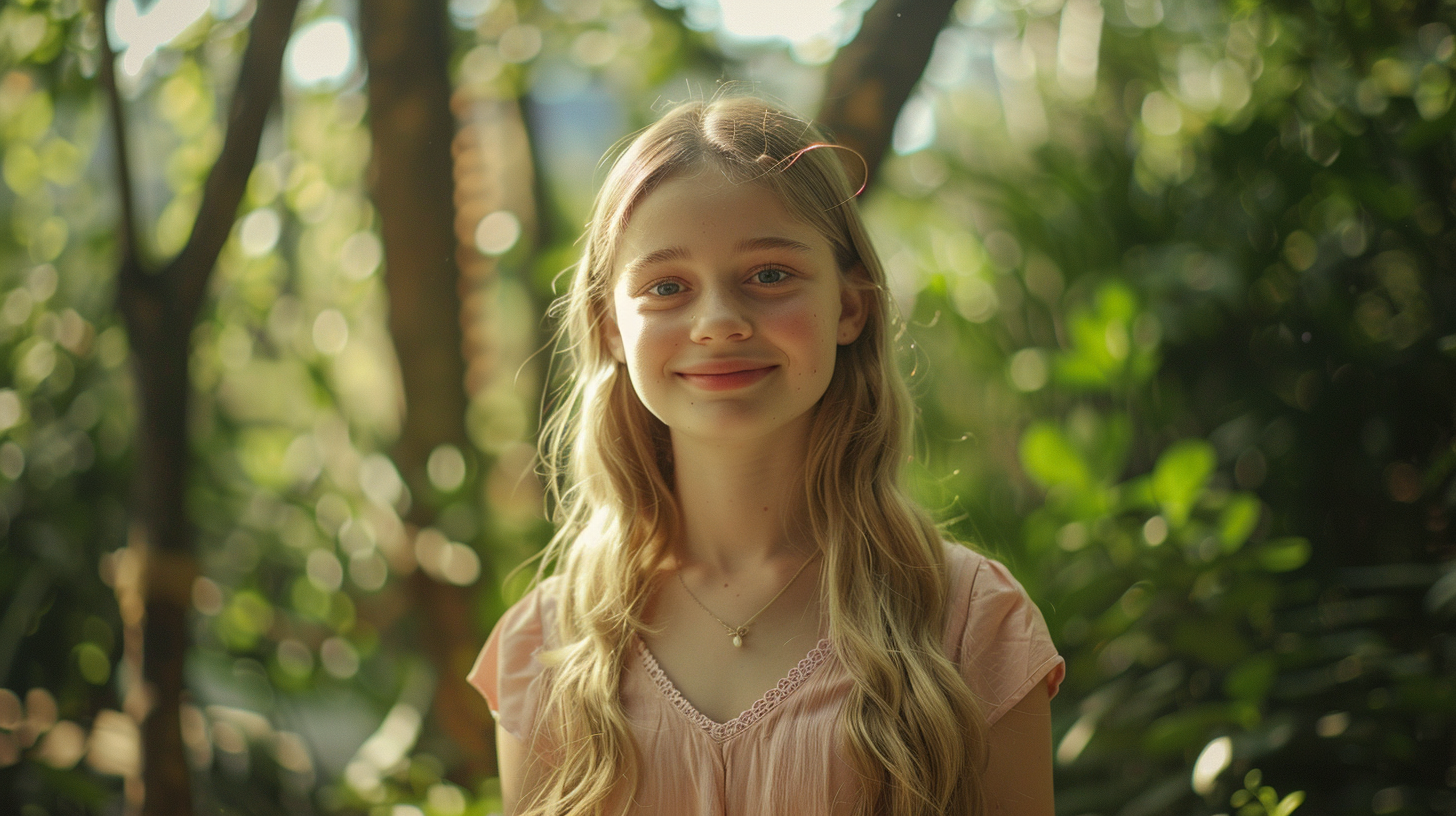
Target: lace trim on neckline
(722, 732)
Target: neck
(742, 502)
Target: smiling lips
(726, 375)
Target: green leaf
(1179, 477)
(1116, 303)
(1079, 370)
(1051, 459)
(1287, 805)
(1284, 554)
(1099, 340)
(1238, 521)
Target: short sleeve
(996, 635)
(507, 668)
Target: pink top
(780, 755)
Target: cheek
(809, 329)
(646, 341)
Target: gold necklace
(740, 632)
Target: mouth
(721, 378)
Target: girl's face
(728, 311)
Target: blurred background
(1180, 317)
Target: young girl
(747, 615)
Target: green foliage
(65, 423)
(1205, 324)
(1255, 799)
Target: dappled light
(138, 32)
(757, 19)
(322, 54)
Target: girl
(747, 615)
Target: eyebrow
(678, 253)
(773, 242)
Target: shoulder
(961, 562)
(522, 631)
(977, 583)
(974, 576)
(983, 592)
(533, 617)
(994, 632)
(507, 668)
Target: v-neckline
(723, 731)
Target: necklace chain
(738, 633)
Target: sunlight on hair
(321, 55)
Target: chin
(744, 426)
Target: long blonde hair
(910, 728)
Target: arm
(1018, 779)
(510, 754)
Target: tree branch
(257, 89)
(871, 78)
(132, 275)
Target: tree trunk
(160, 308)
(873, 75)
(163, 537)
(406, 48)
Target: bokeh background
(1180, 317)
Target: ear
(613, 335)
(854, 305)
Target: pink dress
(781, 755)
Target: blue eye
(770, 276)
(665, 288)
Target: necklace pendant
(738, 640)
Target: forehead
(706, 211)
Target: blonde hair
(910, 728)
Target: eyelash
(652, 290)
(784, 275)
(783, 272)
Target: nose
(720, 316)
